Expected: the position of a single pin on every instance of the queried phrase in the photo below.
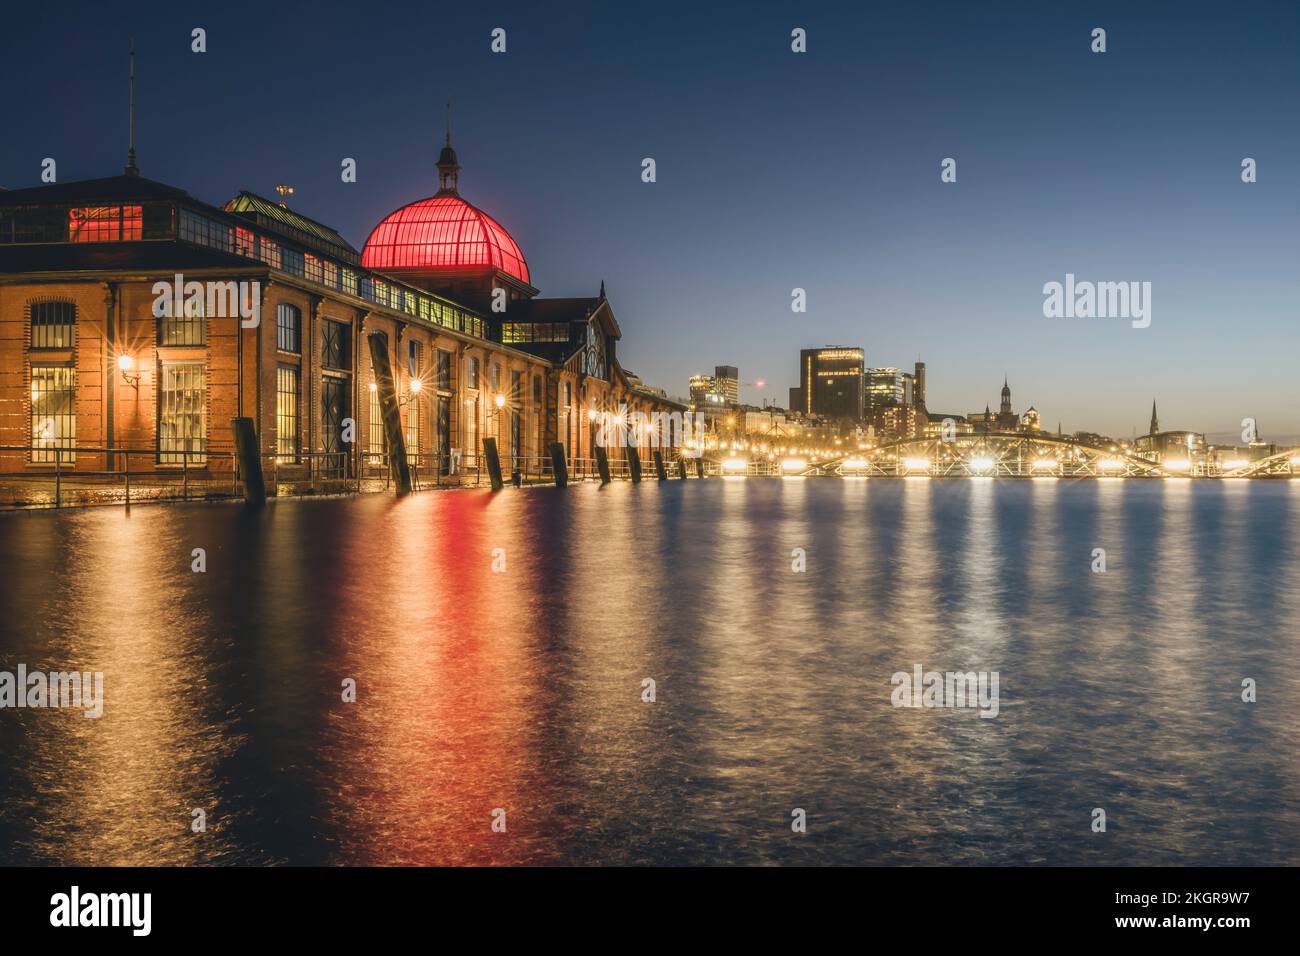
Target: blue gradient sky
(775, 170)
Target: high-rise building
(704, 391)
(832, 382)
(885, 387)
(726, 379)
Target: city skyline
(1147, 184)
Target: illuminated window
(105, 223)
(54, 413)
(188, 328)
(471, 374)
(471, 426)
(378, 444)
(288, 328)
(182, 413)
(53, 324)
(286, 413)
(269, 252)
(413, 429)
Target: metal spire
(131, 168)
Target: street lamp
(126, 365)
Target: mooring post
(602, 464)
(398, 465)
(558, 465)
(699, 467)
(250, 461)
(634, 463)
(660, 471)
(493, 463)
(681, 468)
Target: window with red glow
(105, 223)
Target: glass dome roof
(443, 233)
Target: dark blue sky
(775, 170)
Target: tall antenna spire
(449, 121)
(131, 168)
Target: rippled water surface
(522, 689)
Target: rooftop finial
(131, 168)
(448, 165)
(284, 190)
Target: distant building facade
(832, 383)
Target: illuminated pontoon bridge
(990, 455)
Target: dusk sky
(775, 170)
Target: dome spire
(448, 165)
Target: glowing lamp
(126, 365)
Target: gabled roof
(293, 224)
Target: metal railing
(40, 476)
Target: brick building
(96, 354)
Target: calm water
(522, 689)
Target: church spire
(131, 168)
(1155, 420)
(448, 165)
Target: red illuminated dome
(443, 236)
